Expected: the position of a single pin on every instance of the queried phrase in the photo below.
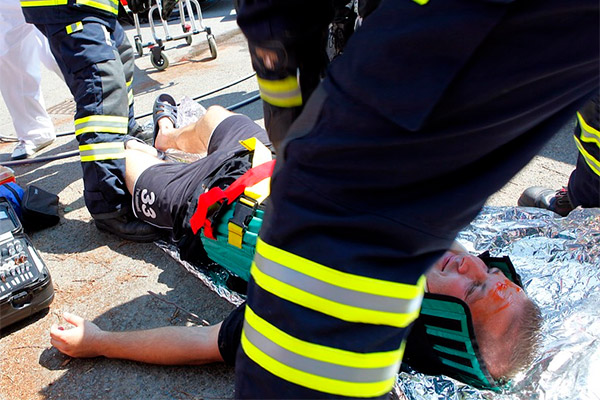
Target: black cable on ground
(41, 159)
(244, 102)
(195, 98)
(76, 152)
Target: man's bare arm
(170, 345)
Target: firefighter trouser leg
(584, 183)
(330, 298)
(127, 59)
(286, 78)
(336, 279)
(384, 167)
(89, 59)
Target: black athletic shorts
(230, 334)
(163, 193)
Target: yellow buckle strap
(236, 234)
(244, 209)
(254, 194)
(261, 155)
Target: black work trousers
(584, 182)
(432, 107)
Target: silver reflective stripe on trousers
(312, 366)
(336, 293)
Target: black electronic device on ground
(25, 283)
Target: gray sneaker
(554, 200)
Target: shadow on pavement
(119, 379)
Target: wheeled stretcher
(190, 19)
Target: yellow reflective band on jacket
(110, 6)
(43, 3)
(101, 124)
(421, 2)
(76, 27)
(588, 133)
(101, 151)
(281, 93)
(341, 295)
(589, 159)
(318, 367)
(129, 92)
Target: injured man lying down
(476, 325)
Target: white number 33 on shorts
(148, 199)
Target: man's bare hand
(83, 340)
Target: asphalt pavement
(109, 281)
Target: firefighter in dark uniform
(290, 64)
(96, 60)
(583, 189)
(431, 108)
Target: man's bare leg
(136, 162)
(193, 138)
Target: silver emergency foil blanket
(559, 262)
(212, 275)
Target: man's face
(493, 299)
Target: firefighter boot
(129, 228)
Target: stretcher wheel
(160, 63)
(138, 47)
(186, 29)
(212, 45)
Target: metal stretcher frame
(190, 16)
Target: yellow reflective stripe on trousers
(421, 2)
(589, 159)
(315, 366)
(43, 3)
(101, 151)
(341, 295)
(588, 133)
(111, 6)
(281, 93)
(101, 124)
(76, 27)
